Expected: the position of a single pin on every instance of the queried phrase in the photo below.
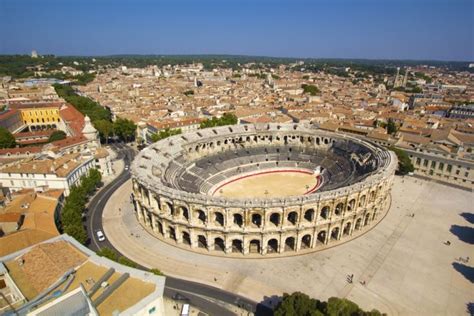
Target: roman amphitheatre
(261, 190)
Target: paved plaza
(401, 267)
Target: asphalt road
(207, 298)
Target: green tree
(125, 129)
(165, 134)
(83, 104)
(156, 271)
(391, 127)
(105, 129)
(107, 253)
(57, 135)
(226, 119)
(298, 304)
(127, 262)
(6, 138)
(188, 93)
(77, 231)
(404, 163)
(310, 89)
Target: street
(207, 298)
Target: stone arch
(184, 212)
(219, 218)
(335, 233)
(292, 217)
(318, 141)
(202, 241)
(347, 229)
(326, 141)
(272, 245)
(254, 246)
(367, 219)
(170, 208)
(186, 238)
(172, 233)
(219, 244)
(257, 219)
(351, 205)
(309, 215)
(306, 241)
(238, 219)
(290, 243)
(160, 228)
(324, 212)
(339, 208)
(372, 196)
(358, 224)
(362, 201)
(237, 246)
(275, 218)
(374, 216)
(200, 216)
(322, 236)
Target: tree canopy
(56, 135)
(83, 104)
(226, 119)
(310, 89)
(105, 129)
(165, 134)
(404, 163)
(6, 139)
(75, 205)
(125, 129)
(300, 304)
(391, 127)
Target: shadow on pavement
(265, 307)
(470, 308)
(466, 271)
(464, 233)
(468, 217)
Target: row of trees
(112, 255)
(226, 119)
(100, 116)
(165, 134)
(75, 205)
(83, 104)
(300, 304)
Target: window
(449, 168)
(441, 166)
(418, 161)
(466, 174)
(457, 172)
(433, 164)
(425, 163)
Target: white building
(42, 174)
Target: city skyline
(396, 30)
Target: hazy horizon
(425, 30)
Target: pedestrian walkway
(407, 267)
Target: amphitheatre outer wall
(261, 226)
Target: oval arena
(271, 189)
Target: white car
(100, 235)
(126, 167)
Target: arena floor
(268, 184)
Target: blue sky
(393, 29)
